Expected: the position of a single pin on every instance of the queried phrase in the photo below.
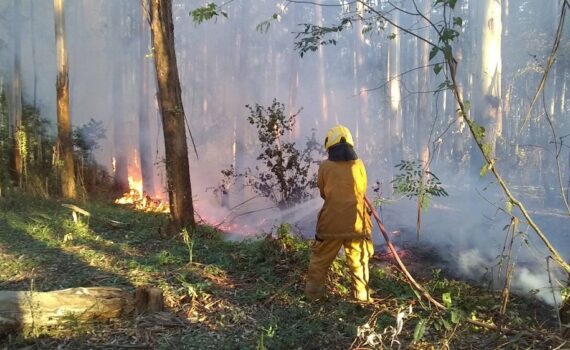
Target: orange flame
(136, 196)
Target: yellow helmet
(336, 134)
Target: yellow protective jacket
(344, 214)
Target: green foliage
(165, 257)
(206, 12)
(313, 36)
(414, 181)
(420, 329)
(285, 175)
(86, 138)
(188, 242)
(5, 142)
(247, 294)
(450, 3)
(36, 147)
(477, 129)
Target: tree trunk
(64, 139)
(172, 111)
(358, 76)
(120, 138)
(294, 78)
(424, 102)
(565, 314)
(489, 89)
(321, 72)
(22, 309)
(395, 93)
(145, 145)
(15, 105)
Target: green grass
(232, 295)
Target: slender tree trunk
(15, 105)
(64, 139)
(172, 111)
(358, 76)
(120, 143)
(395, 93)
(489, 88)
(147, 169)
(294, 77)
(424, 102)
(321, 72)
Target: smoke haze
(225, 64)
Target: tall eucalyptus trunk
(172, 112)
(119, 86)
(15, 105)
(64, 138)
(358, 76)
(323, 96)
(395, 92)
(145, 146)
(487, 102)
(423, 112)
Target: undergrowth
(222, 294)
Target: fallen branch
(75, 210)
(413, 282)
(409, 277)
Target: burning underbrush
(143, 202)
(138, 199)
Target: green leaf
(433, 52)
(509, 206)
(447, 52)
(420, 329)
(487, 149)
(455, 316)
(484, 170)
(452, 3)
(206, 13)
(446, 297)
(458, 21)
(437, 68)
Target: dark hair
(342, 152)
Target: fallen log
(21, 310)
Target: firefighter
(343, 220)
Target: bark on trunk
(64, 139)
(490, 80)
(395, 93)
(145, 137)
(119, 87)
(322, 73)
(424, 102)
(21, 309)
(16, 100)
(565, 314)
(172, 111)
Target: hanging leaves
(313, 36)
(206, 13)
(414, 181)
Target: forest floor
(238, 295)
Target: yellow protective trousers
(358, 252)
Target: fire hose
(392, 249)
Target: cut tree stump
(148, 300)
(25, 309)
